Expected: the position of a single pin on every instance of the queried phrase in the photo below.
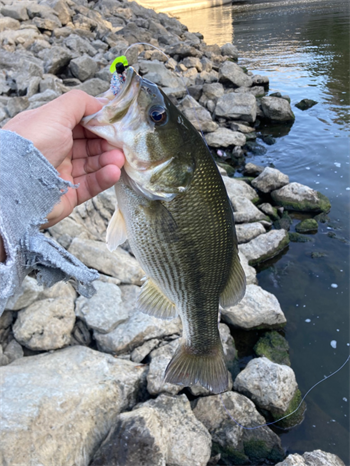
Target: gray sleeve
(29, 188)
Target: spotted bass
(173, 207)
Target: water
(304, 49)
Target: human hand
(79, 156)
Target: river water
(304, 49)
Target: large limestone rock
(240, 106)
(269, 180)
(265, 246)
(224, 137)
(232, 73)
(257, 309)
(118, 263)
(236, 187)
(46, 324)
(158, 73)
(249, 271)
(68, 399)
(235, 444)
(245, 211)
(248, 231)
(296, 196)
(197, 115)
(271, 386)
(312, 458)
(277, 109)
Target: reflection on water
(303, 46)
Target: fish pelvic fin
(236, 284)
(154, 303)
(188, 368)
(116, 230)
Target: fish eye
(158, 115)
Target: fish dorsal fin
(154, 303)
(116, 230)
(235, 287)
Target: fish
(173, 207)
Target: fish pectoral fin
(154, 303)
(116, 230)
(235, 287)
(188, 368)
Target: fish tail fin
(188, 368)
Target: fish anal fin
(116, 230)
(188, 368)
(154, 303)
(236, 284)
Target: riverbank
(71, 45)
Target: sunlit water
(304, 49)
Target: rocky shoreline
(81, 379)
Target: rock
(13, 351)
(55, 59)
(159, 74)
(182, 50)
(200, 118)
(63, 11)
(306, 226)
(248, 231)
(257, 309)
(47, 24)
(74, 394)
(259, 80)
(7, 23)
(273, 346)
(284, 222)
(249, 271)
(297, 238)
(160, 359)
(46, 324)
(83, 67)
(313, 458)
(305, 104)
(229, 50)
(265, 246)
(4, 360)
(25, 295)
(190, 62)
(16, 105)
(104, 311)
(235, 444)
(298, 197)
(81, 334)
(245, 211)
(44, 97)
(269, 210)
(18, 12)
(229, 72)
(277, 109)
(255, 148)
(237, 106)
(139, 353)
(251, 169)
(6, 319)
(269, 180)
(180, 423)
(224, 137)
(94, 86)
(79, 46)
(118, 263)
(243, 128)
(271, 386)
(195, 91)
(213, 91)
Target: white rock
(142, 351)
(277, 109)
(258, 308)
(69, 398)
(296, 196)
(160, 359)
(271, 386)
(248, 231)
(270, 179)
(224, 137)
(245, 211)
(46, 324)
(249, 271)
(236, 187)
(265, 246)
(238, 106)
(104, 311)
(25, 295)
(321, 458)
(118, 263)
(13, 351)
(231, 72)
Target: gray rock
(63, 11)
(180, 423)
(13, 351)
(277, 109)
(256, 91)
(7, 23)
(296, 196)
(79, 46)
(265, 246)
(159, 74)
(83, 67)
(229, 50)
(209, 76)
(257, 309)
(269, 210)
(229, 72)
(4, 360)
(104, 311)
(235, 187)
(18, 12)
(245, 211)
(75, 394)
(25, 295)
(94, 86)
(46, 324)
(259, 80)
(321, 458)
(270, 179)
(46, 23)
(139, 353)
(243, 128)
(248, 231)
(271, 386)
(230, 439)
(251, 169)
(213, 91)
(182, 50)
(118, 263)
(55, 59)
(224, 137)
(160, 359)
(237, 106)
(249, 271)
(190, 62)
(16, 105)
(197, 115)
(45, 96)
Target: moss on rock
(294, 419)
(306, 226)
(298, 238)
(274, 347)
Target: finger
(79, 132)
(90, 147)
(84, 166)
(94, 183)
